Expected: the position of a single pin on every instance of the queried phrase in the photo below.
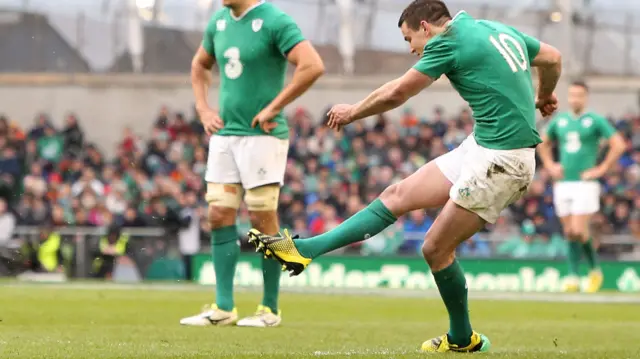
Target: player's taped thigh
(263, 198)
(224, 195)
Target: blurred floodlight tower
(561, 17)
(135, 39)
(150, 10)
(205, 9)
(346, 41)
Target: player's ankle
(461, 341)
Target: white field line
(398, 293)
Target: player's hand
(547, 105)
(265, 119)
(339, 116)
(211, 121)
(593, 173)
(556, 171)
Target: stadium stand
(54, 175)
(50, 175)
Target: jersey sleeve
(531, 43)
(207, 38)
(605, 128)
(286, 34)
(437, 59)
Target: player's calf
(393, 199)
(262, 203)
(220, 217)
(453, 226)
(570, 234)
(574, 254)
(576, 235)
(438, 257)
(581, 236)
(224, 200)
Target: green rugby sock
(271, 272)
(574, 255)
(225, 252)
(591, 254)
(453, 290)
(367, 223)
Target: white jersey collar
(461, 12)
(238, 18)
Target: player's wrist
(351, 115)
(544, 96)
(274, 107)
(203, 108)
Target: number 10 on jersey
(516, 61)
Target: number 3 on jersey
(573, 143)
(233, 68)
(514, 60)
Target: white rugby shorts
(486, 181)
(252, 161)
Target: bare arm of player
(200, 82)
(201, 66)
(309, 68)
(386, 97)
(544, 151)
(617, 147)
(549, 64)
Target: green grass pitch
(99, 322)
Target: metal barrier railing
(84, 241)
(148, 244)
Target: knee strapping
(264, 198)
(224, 195)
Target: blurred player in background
(489, 64)
(251, 41)
(576, 193)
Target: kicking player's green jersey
(578, 140)
(251, 53)
(489, 64)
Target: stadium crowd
(57, 177)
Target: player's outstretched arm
(549, 64)
(391, 95)
(309, 68)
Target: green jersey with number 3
(489, 64)
(251, 53)
(578, 139)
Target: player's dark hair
(432, 11)
(580, 83)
